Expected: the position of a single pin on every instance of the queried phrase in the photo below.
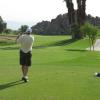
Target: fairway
(61, 69)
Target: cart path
(96, 46)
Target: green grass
(61, 70)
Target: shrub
(91, 31)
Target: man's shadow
(10, 84)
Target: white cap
(29, 30)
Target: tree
(81, 11)
(71, 12)
(3, 25)
(23, 28)
(76, 17)
(91, 31)
(7, 31)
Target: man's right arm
(18, 38)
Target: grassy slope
(61, 70)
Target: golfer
(26, 41)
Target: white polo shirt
(26, 42)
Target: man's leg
(25, 72)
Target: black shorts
(25, 58)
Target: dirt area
(4, 37)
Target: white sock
(26, 77)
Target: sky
(29, 12)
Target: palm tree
(76, 17)
(81, 11)
(71, 15)
(71, 12)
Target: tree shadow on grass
(9, 48)
(11, 84)
(77, 50)
(63, 42)
(58, 43)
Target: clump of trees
(60, 26)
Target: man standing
(26, 41)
